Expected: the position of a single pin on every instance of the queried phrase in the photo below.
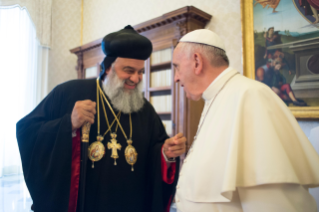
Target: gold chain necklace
(130, 151)
(113, 144)
(96, 150)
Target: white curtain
(40, 12)
(23, 65)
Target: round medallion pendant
(130, 155)
(96, 151)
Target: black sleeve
(45, 143)
(161, 191)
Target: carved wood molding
(180, 17)
(182, 28)
(79, 65)
(188, 12)
(87, 47)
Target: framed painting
(281, 50)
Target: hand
(83, 111)
(175, 146)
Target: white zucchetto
(204, 36)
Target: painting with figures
(286, 42)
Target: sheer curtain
(21, 72)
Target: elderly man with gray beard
(249, 153)
(133, 164)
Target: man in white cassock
(249, 153)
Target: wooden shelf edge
(174, 16)
(160, 65)
(88, 46)
(164, 113)
(162, 88)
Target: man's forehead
(128, 62)
(179, 46)
(177, 51)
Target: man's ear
(198, 63)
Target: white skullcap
(204, 36)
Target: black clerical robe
(45, 143)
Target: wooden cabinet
(178, 113)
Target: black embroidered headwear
(126, 43)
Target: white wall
(104, 16)
(66, 34)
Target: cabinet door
(159, 86)
(92, 72)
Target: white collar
(209, 90)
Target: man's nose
(135, 78)
(176, 77)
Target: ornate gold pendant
(96, 150)
(130, 154)
(114, 146)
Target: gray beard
(122, 99)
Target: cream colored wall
(104, 16)
(66, 34)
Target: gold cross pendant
(114, 146)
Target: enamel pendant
(130, 154)
(96, 150)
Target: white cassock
(249, 155)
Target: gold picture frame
(249, 57)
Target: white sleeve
(277, 198)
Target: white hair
(217, 57)
(123, 99)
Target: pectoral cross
(114, 146)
